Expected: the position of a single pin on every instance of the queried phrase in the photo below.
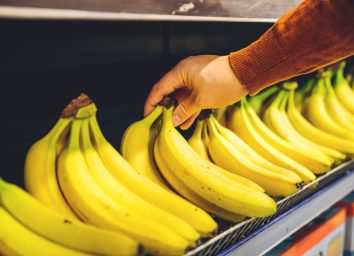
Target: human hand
(198, 82)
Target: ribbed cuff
(261, 64)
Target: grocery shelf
(192, 10)
(293, 213)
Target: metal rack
(293, 213)
(162, 10)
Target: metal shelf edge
(289, 222)
(9, 12)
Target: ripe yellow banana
(147, 189)
(221, 114)
(40, 169)
(313, 133)
(240, 123)
(317, 161)
(16, 239)
(96, 207)
(196, 142)
(199, 148)
(258, 102)
(61, 229)
(225, 155)
(314, 161)
(286, 130)
(317, 114)
(335, 109)
(137, 146)
(190, 195)
(343, 90)
(125, 197)
(200, 176)
(250, 154)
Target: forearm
(315, 34)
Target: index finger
(169, 83)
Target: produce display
(159, 194)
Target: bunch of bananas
(76, 172)
(85, 198)
(283, 137)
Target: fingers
(185, 109)
(189, 121)
(167, 84)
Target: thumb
(184, 110)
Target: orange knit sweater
(308, 37)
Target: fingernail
(176, 120)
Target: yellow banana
(200, 176)
(190, 195)
(199, 147)
(144, 187)
(137, 146)
(241, 124)
(196, 142)
(258, 102)
(342, 88)
(314, 161)
(96, 207)
(315, 134)
(16, 239)
(317, 161)
(221, 114)
(250, 154)
(60, 229)
(225, 155)
(285, 129)
(124, 197)
(335, 109)
(40, 169)
(317, 114)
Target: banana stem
(150, 118)
(198, 129)
(167, 118)
(74, 141)
(211, 127)
(58, 129)
(96, 131)
(265, 94)
(85, 134)
(284, 101)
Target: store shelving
(260, 235)
(157, 10)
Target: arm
(314, 34)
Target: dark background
(45, 64)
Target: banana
(96, 207)
(302, 92)
(144, 187)
(16, 239)
(62, 230)
(221, 114)
(335, 109)
(257, 102)
(342, 88)
(137, 146)
(225, 155)
(241, 124)
(205, 135)
(249, 153)
(313, 133)
(40, 169)
(200, 176)
(196, 142)
(314, 161)
(190, 195)
(320, 162)
(285, 129)
(317, 114)
(200, 149)
(123, 196)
